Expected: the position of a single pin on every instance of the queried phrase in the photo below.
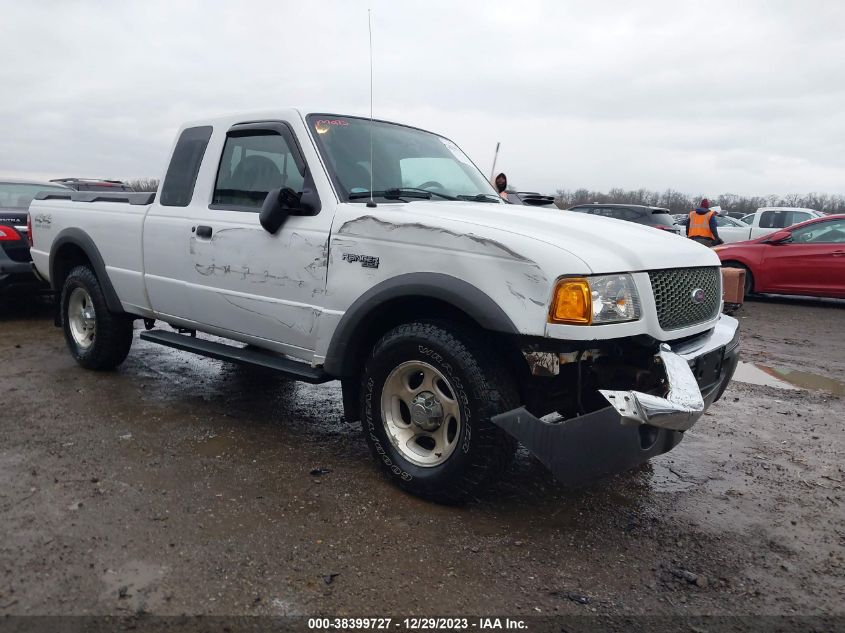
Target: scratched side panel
(252, 283)
(503, 266)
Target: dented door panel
(246, 281)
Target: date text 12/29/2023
(415, 624)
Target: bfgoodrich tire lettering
(97, 338)
(479, 389)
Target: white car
(457, 324)
(731, 229)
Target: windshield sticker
(324, 125)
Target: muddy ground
(182, 485)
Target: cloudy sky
(704, 97)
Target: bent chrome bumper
(678, 411)
(637, 426)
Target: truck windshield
(18, 195)
(406, 159)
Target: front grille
(673, 290)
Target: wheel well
(407, 309)
(66, 258)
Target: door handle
(838, 253)
(204, 232)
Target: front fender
(456, 292)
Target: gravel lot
(179, 485)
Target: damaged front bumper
(636, 426)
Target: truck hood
(605, 245)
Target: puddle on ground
(790, 379)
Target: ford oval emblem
(697, 295)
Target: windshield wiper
(481, 197)
(397, 193)
(432, 193)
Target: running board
(245, 356)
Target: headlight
(595, 300)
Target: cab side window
(772, 220)
(255, 162)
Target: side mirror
(309, 201)
(778, 237)
(278, 205)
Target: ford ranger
(332, 247)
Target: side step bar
(245, 356)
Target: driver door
(243, 281)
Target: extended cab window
(178, 187)
(254, 163)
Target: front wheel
(429, 391)
(97, 338)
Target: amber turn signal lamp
(572, 302)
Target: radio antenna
(495, 157)
(371, 203)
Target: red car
(804, 259)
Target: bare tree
(678, 202)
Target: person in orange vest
(701, 225)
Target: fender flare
(83, 241)
(456, 292)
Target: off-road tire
(113, 336)
(482, 388)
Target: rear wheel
(429, 392)
(96, 337)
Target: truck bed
(119, 238)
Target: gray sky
(742, 97)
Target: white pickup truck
(457, 324)
(762, 222)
